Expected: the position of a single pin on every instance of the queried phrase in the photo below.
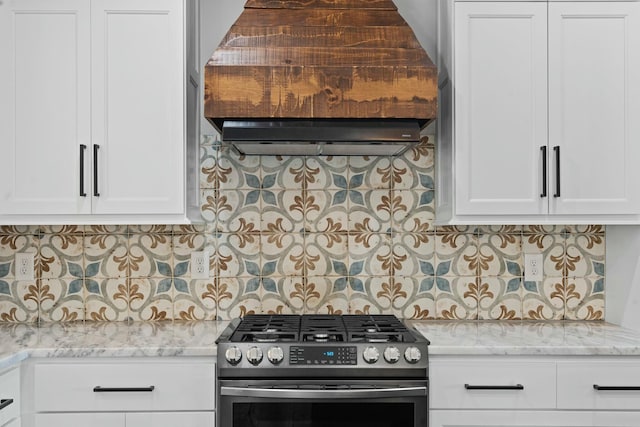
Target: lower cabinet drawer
(130, 419)
(76, 387)
(463, 384)
(9, 395)
(599, 385)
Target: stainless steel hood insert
(321, 137)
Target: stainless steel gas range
(322, 371)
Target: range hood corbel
(320, 77)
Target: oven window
(323, 414)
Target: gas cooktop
(316, 344)
(321, 328)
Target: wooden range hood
(290, 75)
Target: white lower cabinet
(10, 397)
(134, 419)
(545, 391)
(507, 418)
(119, 392)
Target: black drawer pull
(615, 388)
(5, 402)
(494, 387)
(557, 151)
(82, 192)
(98, 389)
(96, 147)
(543, 149)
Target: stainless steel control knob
(233, 355)
(254, 355)
(371, 355)
(275, 355)
(412, 354)
(391, 354)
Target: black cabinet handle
(96, 147)
(615, 388)
(98, 389)
(556, 149)
(494, 387)
(82, 192)
(5, 402)
(544, 171)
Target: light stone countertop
(559, 338)
(197, 338)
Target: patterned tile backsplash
(305, 235)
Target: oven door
(353, 404)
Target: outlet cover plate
(200, 265)
(24, 266)
(533, 271)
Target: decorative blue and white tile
(106, 256)
(282, 295)
(236, 254)
(456, 252)
(544, 300)
(369, 173)
(456, 298)
(326, 254)
(588, 301)
(326, 295)
(211, 173)
(209, 292)
(237, 297)
(286, 172)
(238, 211)
(188, 304)
(499, 298)
(61, 300)
(421, 300)
(209, 205)
(109, 299)
(362, 298)
(415, 167)
(154, 231)
(235, 171)
(150, 299)
(370, 211)
(500, 253)
(326, 211)
(413, 211)
(150, 255)
(321, 171)
(394, 294)
(19, 301)
(550, 241)
(16, 238)
(585, 254)
(369, 254)
(288, 213)
(283, 255)
(412, 252)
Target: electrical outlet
(533, 270)
(200, 265)
(24, 266)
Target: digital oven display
(312, 355)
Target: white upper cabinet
(94, 117)
(537, 112)
(45, 105)
(594, 105)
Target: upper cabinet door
(500, 107)
(594, 106)
(138, 113)
(44, 106)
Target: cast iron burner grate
(321, 328)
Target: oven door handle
(291, 393)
